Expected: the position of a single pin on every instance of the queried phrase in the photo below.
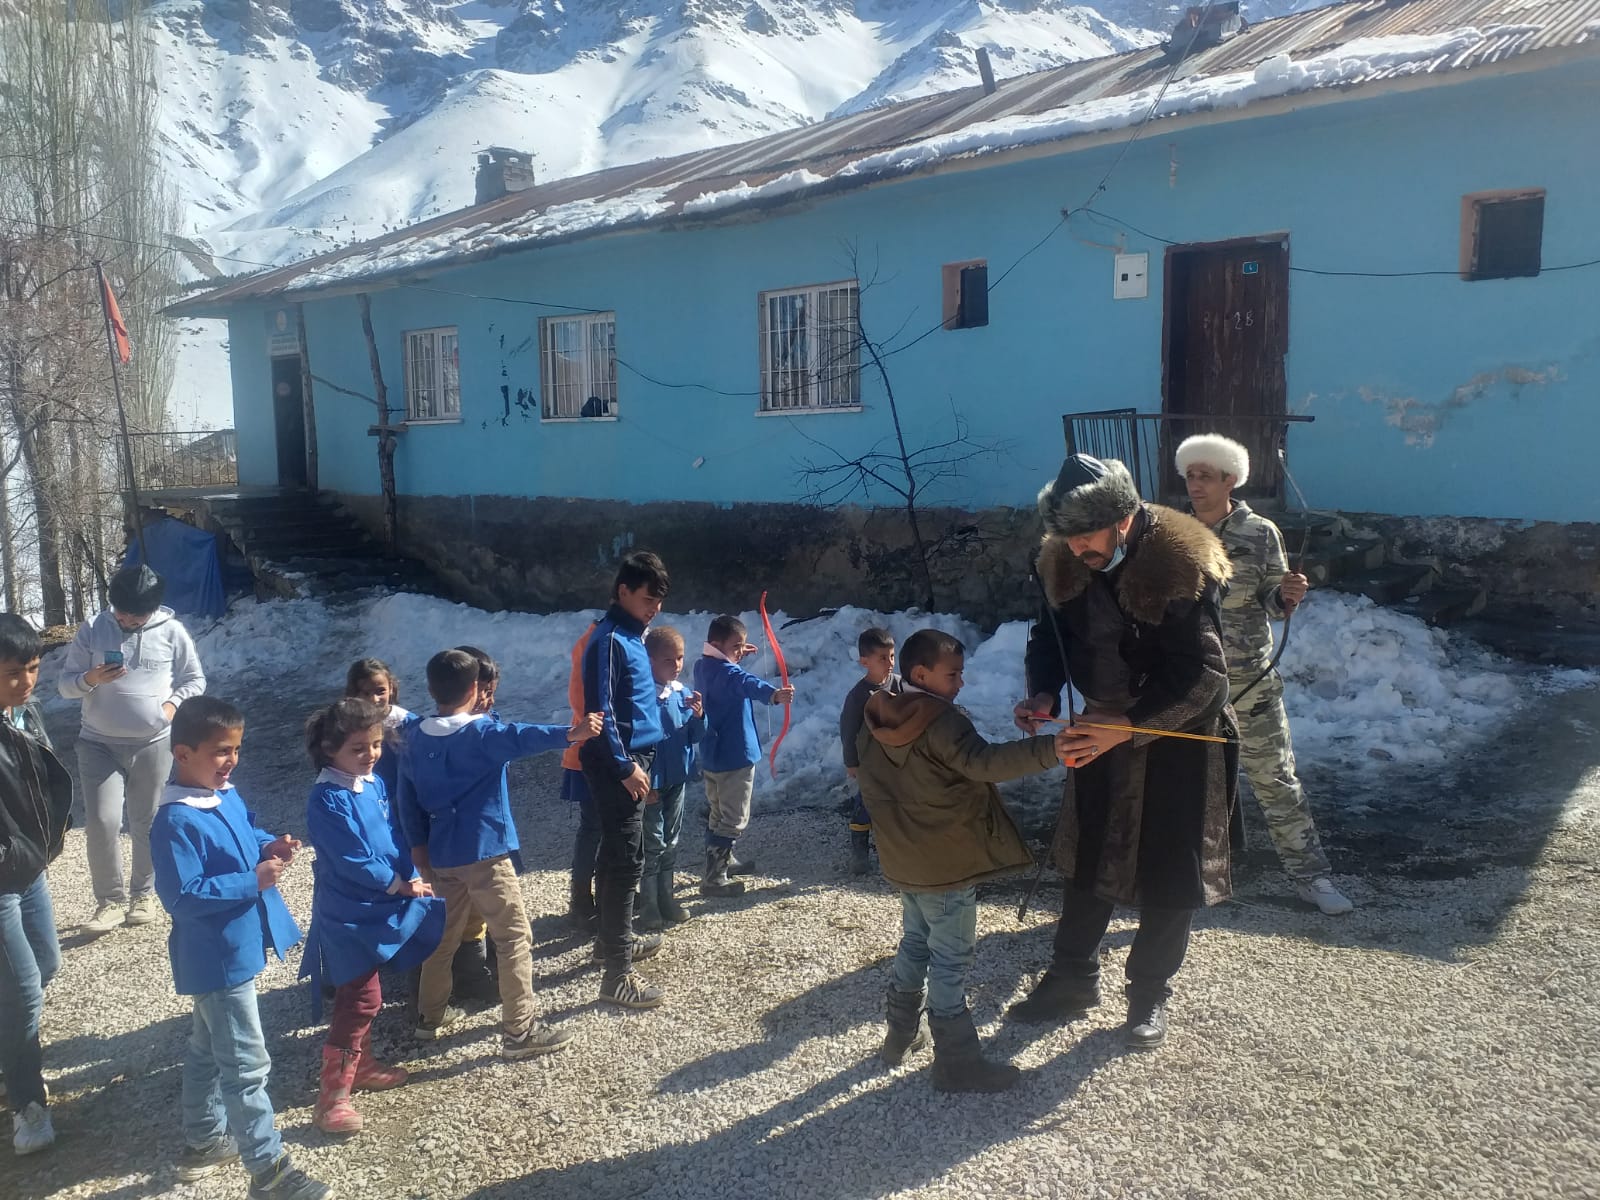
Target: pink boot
(372, 1075)
(334, 1112)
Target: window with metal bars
(578, 366)
(1502, 234)
(811, 348)
(433, 375)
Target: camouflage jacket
(1255, 547)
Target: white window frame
(566, 401)
(432, 401)
(791, 380)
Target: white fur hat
(1214, 450)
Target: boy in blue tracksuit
(731, 748)
(618, 682)
(683, 724)
(456, 814)
(217, 874)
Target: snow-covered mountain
(293, 126)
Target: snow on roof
(1341, 46)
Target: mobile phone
(113, 658)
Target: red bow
(783, 674)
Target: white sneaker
(143, 911)
(106, 918)
(1321, 892)
(31, 1130)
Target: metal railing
(184, 459)
(1147, 442)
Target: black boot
(860, 851)
(470, 978)
(1057, 998)
(647, 906)
(672, 913)
(958, 1061)
(903, 1010)
(737, 866)
(716, 882)
(581, 912)
(1147, 1023)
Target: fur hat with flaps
(1214, 450)
(1087, 495)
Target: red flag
(119, 331)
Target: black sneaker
(284, 1181)
(196, 1162)
(631, 991)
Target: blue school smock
(205, 846)
(395, 724)
(453, 794)
(729, 692)
(674, 761)
(357, 921)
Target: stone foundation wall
(555, 554)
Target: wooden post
(305, 397)
(386, 434)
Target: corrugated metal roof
(848, 151)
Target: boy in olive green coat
(927, 777)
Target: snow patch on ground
(1366, 688)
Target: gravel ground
(1442, 1041)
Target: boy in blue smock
(456, 813)
(217, 874)
(731, 748)
(683, 724)
(369, 909)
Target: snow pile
(742, 193)
(1366, 688)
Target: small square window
(966, 294)
(1502, 234)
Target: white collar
(352, 783)
(445, 726)
(711, 651)
(395, 717)
(177, 793)
(666, 692)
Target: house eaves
(1322, 56)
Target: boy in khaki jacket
(927, 777)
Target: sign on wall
(282, 337)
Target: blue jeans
(225, 1077)
(663, 822)
(29, 956)
(938, 946)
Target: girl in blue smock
(369, 907)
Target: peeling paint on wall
(1420, 420)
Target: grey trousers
(110, 776)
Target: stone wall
(556, 554)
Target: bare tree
(892, 465)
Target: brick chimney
(501, 171)
(1201, 28)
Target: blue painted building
(1380, 215)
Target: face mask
(1117, 556)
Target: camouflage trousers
(1266, 756)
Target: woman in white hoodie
(131, 666)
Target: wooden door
(1227, 326)
(289, 421)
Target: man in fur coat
(1134, 595)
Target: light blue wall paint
(249, 362)
(1366, 185)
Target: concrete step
(1335, 559)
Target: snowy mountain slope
(293, 126)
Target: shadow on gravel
(881, 1140)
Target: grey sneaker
(283, 1181)
(196, 1162)
(107, 916)
(1321, 892)
(143, 911)
(631, 991)
(450, 1018)
(539, 1038)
